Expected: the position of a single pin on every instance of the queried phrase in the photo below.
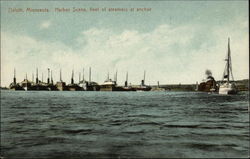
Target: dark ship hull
(93, 88)
(112, 88)
(39, 87)
(16, 88)
(129, 89)
(208, 86)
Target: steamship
(14, 85)
(208, 84)
(110, 85)
(143, 87)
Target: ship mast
(48, 77)
(14, 79)
(127, 76)
(108, 76)
(79, 77)
(72, 77)
(36, 75)
(229, 63)
(126, 82)
(89, 75)
(144, 76)
(228, 60)
(51, 77)
(32, 77)
(115, 76)
(143, 81)
(83, 75)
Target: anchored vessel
(73, 86)
(227, 86)
(27, 85)
(143, 87)
(61, 86)
(14, 85)
(208, 84)
(110, 85)
(91, 85)
(126, 86)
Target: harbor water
(53, 124)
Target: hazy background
(175, 42)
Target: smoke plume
(208, 72)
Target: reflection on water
(124, 124)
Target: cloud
(45, 24)
(168, 54)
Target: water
(123, 124)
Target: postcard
(124, 79)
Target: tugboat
(14, 85)
(208, 84)
(227, 86)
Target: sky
(175, 42)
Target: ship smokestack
(32, 77)
(143, 81)
(158, 84)
(126, 82)
(79, 77)
(48, 80)
(51, 77)
(14, 79)
(72, 77)
(36, 75)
